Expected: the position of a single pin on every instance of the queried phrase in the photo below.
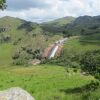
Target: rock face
(15, 94)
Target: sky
(46, 10)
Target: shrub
(75, 70)
(91, 61)
(21, 58)
(20, 61)
(97, 76)
(75, 65)
(29, 50)
(16, 55)
(5, 38)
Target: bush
(75, 65)
(97, 76)
(16, 55)
(91, 61)
(75, 70)
(21, 58)
(26, 55)
(20, 61)
(4, 38)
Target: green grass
(6, 51)
(56, 26)
(34, 39)
(61, 21)
(44, 82)
(75, 46)
(91, 39)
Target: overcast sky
(45, 10)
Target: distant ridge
(57, 25)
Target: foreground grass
(44, 82)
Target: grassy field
(6, 51)
(75, 46)
(44, 82)
(91, 39)
(21, 34)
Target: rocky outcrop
(35, 62)
(15, 94)
(55, 49)
(47, 51)
(58, 53)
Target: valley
(68, 52)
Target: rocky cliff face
(15, 94)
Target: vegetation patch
(44, 81)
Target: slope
(57, 26)
(22, 39)
(84, 25)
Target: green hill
(25, 41)
(22, 39)
(61, 21)
(58, 25)
(84, 25)
(21, 42)
(75, 48)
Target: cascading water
(53, 51)
(55, 48)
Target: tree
(91, 61)
(66, 34)
(2, 4)
(82, 31)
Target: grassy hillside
(61, 21)
(57, 26)
(25, 41)
(6, 51)
(46, 82)
(21, 42)
(75, 47)
(82, 44)
(19, 38)
(84, 25)
(91, 39)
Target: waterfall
(53, 51)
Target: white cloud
(44, 10)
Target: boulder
(15, 94)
